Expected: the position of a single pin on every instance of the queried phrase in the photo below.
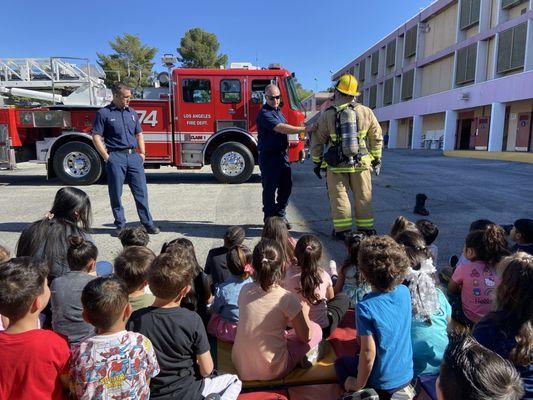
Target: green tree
(301, 92)
(131, 61)
(198, 49)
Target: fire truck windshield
(294, 101)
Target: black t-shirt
(178, 336)
(215, 265)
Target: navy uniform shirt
(270, 140)
(118, 127)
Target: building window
(362, 71)
(410, 42)
(511, 3)
(230, 91)
(391, 53)
(465, 70)
(372, 96)
(511, 49)
(387, 91)
(196, 90)
(407, 84)
(375, 62)
(469, 13)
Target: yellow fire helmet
(347, 84)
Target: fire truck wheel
(232, 162)
(77, 163)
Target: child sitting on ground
(431, 310)
(522, 235)
(351, 281)
(383, 323)
(199, 297)
(114, 364)
(223, 322)
(263, 349)
(276, 229)
(477, 280)
(134, 236)
(446, 273)
(34, 361)
(313, 285)
(132, 267)
(5, 255)
(215, 264)
(508, 330)
(66, 291)
(469, 371)
(429, 232)
(179, 336)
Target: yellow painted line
(492, 155)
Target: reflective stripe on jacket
(370, 137)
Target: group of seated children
(141, 332)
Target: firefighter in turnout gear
(348, 138)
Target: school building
(457, 76)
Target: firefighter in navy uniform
(273, 157)
(351, 136)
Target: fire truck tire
(77, 163)
(232, 162)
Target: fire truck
(204, 117)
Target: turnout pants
(127, 168)
(339, 185)
(276, 180)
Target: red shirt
(31, 363)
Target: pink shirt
(479, 282)
(317, 312)
(260, 348)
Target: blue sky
(309, 38)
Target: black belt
(127, 151)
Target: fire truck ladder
(36, 77)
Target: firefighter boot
(367, 232)
(420, 206)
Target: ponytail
(308, 254)
(80, 252)
(267, 261)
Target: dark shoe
(340, 235)
(152, 230)
(420, 205)
(367, 232)
(453, 261)
(116, 232)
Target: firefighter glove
(317, 169)
(376, 165)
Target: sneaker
(116, 232)
(407, 393)
(152, 230)
(364, 394)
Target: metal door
(481, 139)
(523, 132)
(230, 109)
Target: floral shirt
(117, 366)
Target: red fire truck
(207, 117)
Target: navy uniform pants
(127, 168)
(277, 182)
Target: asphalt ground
(194, 205)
